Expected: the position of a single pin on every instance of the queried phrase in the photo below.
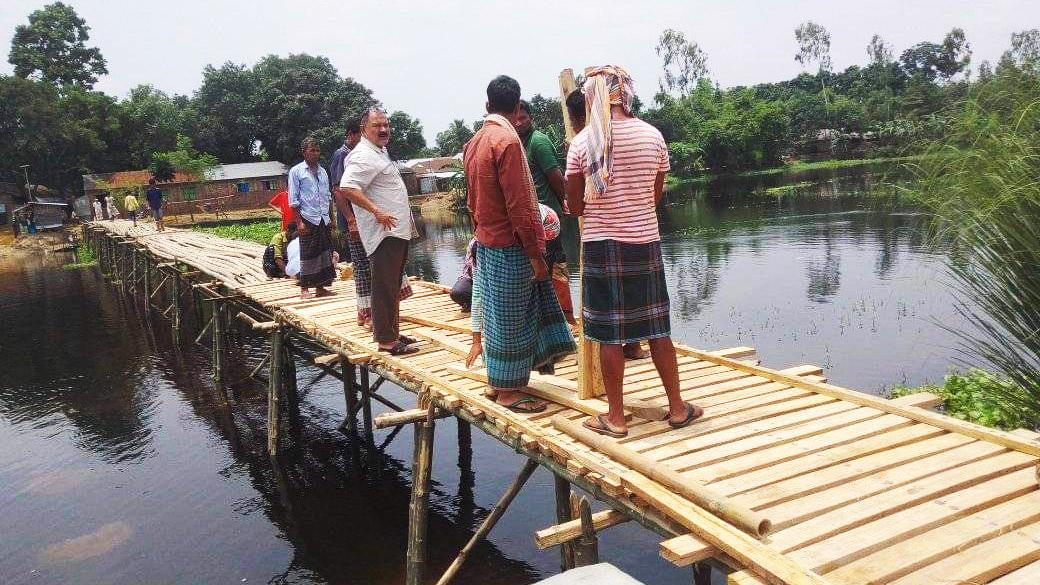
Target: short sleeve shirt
(154, 196)
(626, 211)
(541, 157)
(370, 170)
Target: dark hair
(526, 107)
(353, 124)
(576, 105)
(151, 181)
(503, 93)
(368, 114)
(308, 142)
(291, 227)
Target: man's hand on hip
(386, 220)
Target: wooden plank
(694, 491)
(849, 545)
(900, 487)
(567, 531)
(746, 550)
(685, 550)
(893, 562)
(1027, 575)
(1005, 439)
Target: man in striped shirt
(615, 177)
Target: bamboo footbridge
(786, 479)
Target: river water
(121, 464)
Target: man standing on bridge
(517, 322)
(615, 177)
(373, 185)
(309, 197)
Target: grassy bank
(674, 181)
(84, 258)
(974, 396)
(260, 232)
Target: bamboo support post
(147, 280)
(701, 495)
(350, 394)
(176, 323)
(490, 521)
(218, 345)
(563, 515)
(366, 403)
(418, 507)
(586, 546)
(405, 417)
(274, 391)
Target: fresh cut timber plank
(893, 562)
(1027, 575)
(847, 546)
(850, 502)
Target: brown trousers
(387, 264)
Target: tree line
(52, 119)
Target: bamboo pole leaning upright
(419, 506)
(590, 378)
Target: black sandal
(407, 340)
(517, 406)
(603, 427)
(693, 412)
(399, 349)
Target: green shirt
(280, 241)
(541, 157)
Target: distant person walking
(110, 203)
(155, 203)
(131, 205)
(99, 212)
(309, 196)
(616, 169)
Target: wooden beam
(745, 549)
(1002, 438)
(405, 417)
(567, 531)
(685, 550)
(702, 495)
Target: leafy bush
(977, 396)
(260, 232)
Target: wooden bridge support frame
(366, 404)
(419, 505)
(146, 275)
(218, 344)
(350, 394)
(274, 390)
(563, 514)
(175, 324)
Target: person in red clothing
(280, 203)
(517, 322)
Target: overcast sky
(433, 59)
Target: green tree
(151, 121)
(224, 108)
(184, 159)
(683, 62)
(406, 137)
(938, 61)
(451, 141)
(52, 48)
(546, 113)
(814, 46)
(1025, 50)
(302, 95)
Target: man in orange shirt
(517, 321)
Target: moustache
(384, 134)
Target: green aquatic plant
(84, 258)
(259, 232)
(984, 186)
(792, 189)
(976, 396)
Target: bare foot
(306, 294)
(323, 292)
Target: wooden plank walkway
(858, 489)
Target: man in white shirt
(372, 183)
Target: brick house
(235, 186)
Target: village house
(233, 186)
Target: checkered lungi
(363, 277)
(625, 296)
(521, 321)
(316, 267)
